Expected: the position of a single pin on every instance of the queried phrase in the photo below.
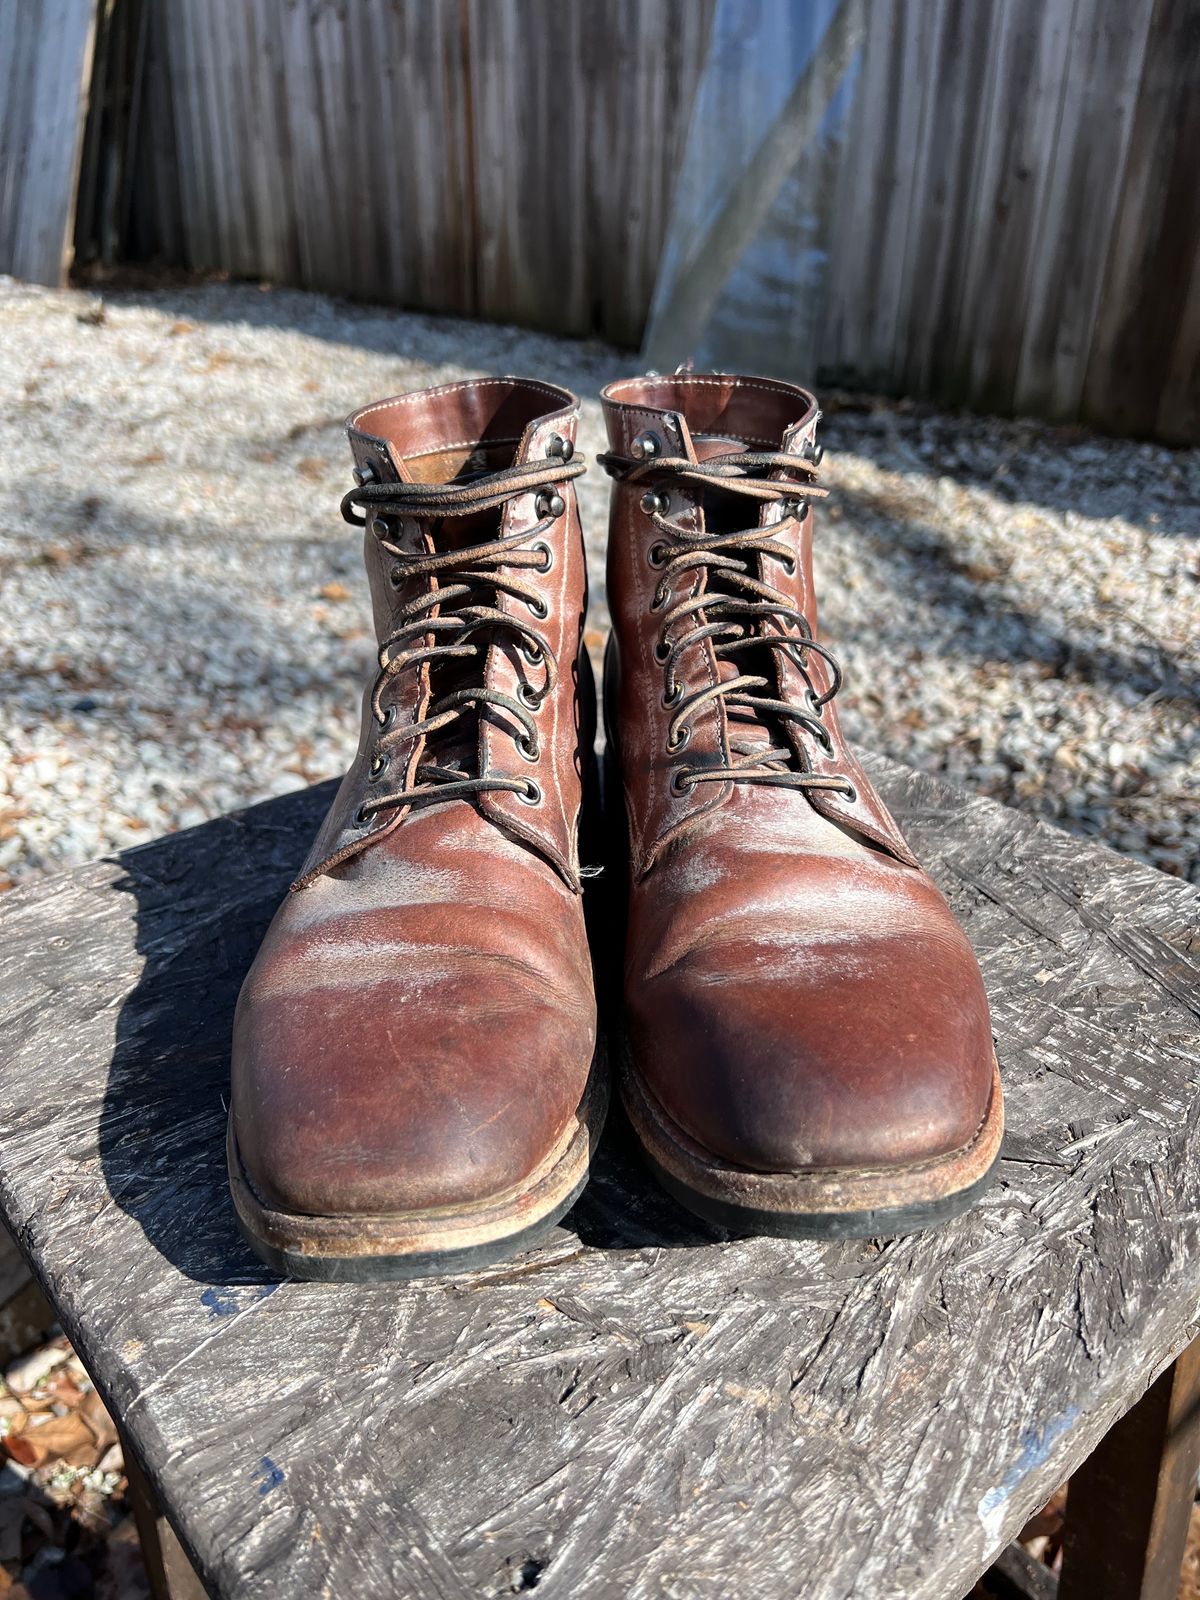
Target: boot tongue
(457, 745)
(748, 729)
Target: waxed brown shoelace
(454, 617)
(735, 616)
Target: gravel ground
(185, 623)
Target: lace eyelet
(662, 651)
(379, 765)
(526, 748)
(542, 548)
(826, 740)
(661, 599)
(539, 609)
(531, 795)
(682, 782)
(529, 697)
(815, 704)
(396, 577)
(531, 653)
(655, 502)
(850, 794)
(657, 554)
(680, 740)
(361, 819)
(671, 697)
(788, 563)
(389, 716)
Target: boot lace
(738, 612)
(454, 617)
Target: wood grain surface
(638, 1408)
(45, 74)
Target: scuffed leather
(418, 1028)
(798, 994)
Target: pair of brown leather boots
(419, 1077)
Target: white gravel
(185, 621)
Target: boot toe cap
(855, 1055)
(398, 1096)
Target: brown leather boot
(414, 1086)
(808, 1048)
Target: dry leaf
(66, 1439)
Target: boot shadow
(204, 900)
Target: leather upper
(418, 1028)
(798, 993)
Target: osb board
(636, 1409)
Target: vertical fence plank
(45, 73)
(1103, 68)
(874, 219)
(579, 116)
(1142, 372)
(930, 272)
(1001, 223)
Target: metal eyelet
(681, 782)
(662, 651)
(526, 748)
(644, 446)
(531, 653)
(531, 795)
(826, 741)
(657, 554)
(680, 739)
(558, 448)
(671, 697)
(384, 527)
(661, 599)
(654, 500)
(396, 577)
(542, 547)
(815, 703)
(529, 697)
(549, 503)
(539, 609)
(379, 765)
(360, 819)
(850, 794)
(367, 473)
(389, 716)
(788, 563)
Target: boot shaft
(474, 556)
(716, 477)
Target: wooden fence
(1012, 214)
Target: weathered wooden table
(636, 1409)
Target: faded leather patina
(417, 1032)
(807, 1029)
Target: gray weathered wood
(512, 158)
(634, 1409)
(1014, 221)
(45, 70)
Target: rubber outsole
(364, 1249)
(898, 1200)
